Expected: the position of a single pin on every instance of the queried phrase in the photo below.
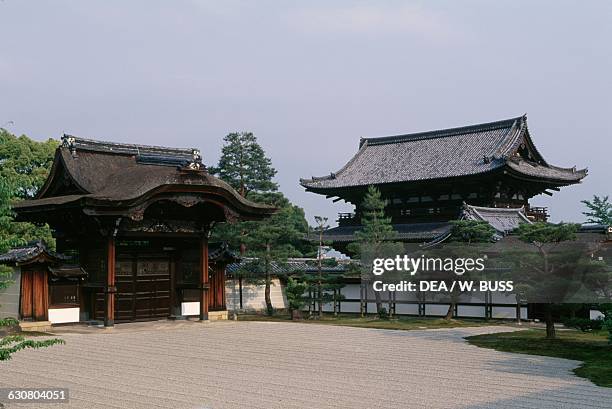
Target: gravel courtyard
(286, 365)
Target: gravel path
(287, 365)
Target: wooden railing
(537, 214)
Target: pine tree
(600, 210)
(468, 233)
(542, 272)
(374, 239)
(244, 165)
(273, 240)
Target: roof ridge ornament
(196, 162)
(68, 142)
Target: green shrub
(295, 294)
(383, 314)
(584, 324)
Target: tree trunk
(550, 323)
(379, 305)
(268, 282)
(240, 290)
(320, 271)
(267, 294)
(361, 298)
(449, 313)
(335, 303)
(518, 311)
(320, 298)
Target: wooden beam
(204, 279)
(110, 289)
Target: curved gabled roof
(446, 153)
(503, 220)
(108, 174)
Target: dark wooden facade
(138, 220)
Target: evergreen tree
(276, 238)
(374, 239)
(244, 165)
(542, 274)
(465, 237)
(600, 210)
(295, 296)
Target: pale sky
(310, 78)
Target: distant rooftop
(446, 153)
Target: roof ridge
(117, 147)
(441, 133)
(145, 154)
(503, 209)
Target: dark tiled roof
(293, 265)
(29, 253)
(595, 228)
(157, 155)
(416, 232)
(222, 252)
(108, 174)
(501, 219)
(441, 154)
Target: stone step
(35, 326)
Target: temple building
(430, 178)
(131, 224)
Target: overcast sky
(310, 78)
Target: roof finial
(69, 142)
(196, 161)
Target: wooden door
(34, 303)
(143, 288)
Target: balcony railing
(537, 214)
(347, 219)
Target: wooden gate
(143, 288)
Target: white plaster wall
(9, 297)
(436, 309)
(190, 308)
(63, 315)
(508, 312)
(471, 311)
(253, 296)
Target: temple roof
(501, 219)
(446, 153)
(292, 265)
(415, 232)
(31, 253)
(221, 252)
(107, 174)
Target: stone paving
(287, 365)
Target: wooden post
(221, 286)
(109, 310)
(204, 279)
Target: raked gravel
(288, 365)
